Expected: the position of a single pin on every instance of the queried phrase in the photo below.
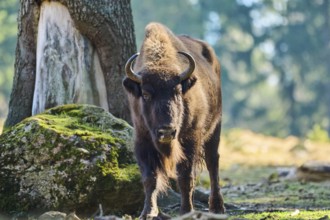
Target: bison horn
(187, 73)
(129, 71)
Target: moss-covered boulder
(72, 157)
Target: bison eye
(146, 96)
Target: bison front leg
(149, 180)
(216, 203)
(146, 156)
(150, 209)
(186, 185)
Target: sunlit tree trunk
(71, 51)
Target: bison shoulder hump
(207, 53)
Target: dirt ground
(260, 177)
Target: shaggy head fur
(159, 51)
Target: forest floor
(259, 177)
(260, 181)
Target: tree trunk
(20, 104)
(79, 57)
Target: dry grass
(245, 147)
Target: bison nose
(166, 134)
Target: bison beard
(174, 93)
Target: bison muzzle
(174, 91)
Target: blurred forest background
(275, 57)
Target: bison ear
(188, 83)
(132, 87)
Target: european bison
(174, 96)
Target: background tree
(302, 48)
(55, 68)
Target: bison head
(160, 96)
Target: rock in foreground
(70, 158)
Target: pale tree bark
(77, 50)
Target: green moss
(126, 187)
(72, 124)
(287, 215)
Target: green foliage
(318, 134)
(8, 26)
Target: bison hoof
(160, 216)
(216, 204)
(219, 209)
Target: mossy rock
(71, 157)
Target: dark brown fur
(192, 107)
